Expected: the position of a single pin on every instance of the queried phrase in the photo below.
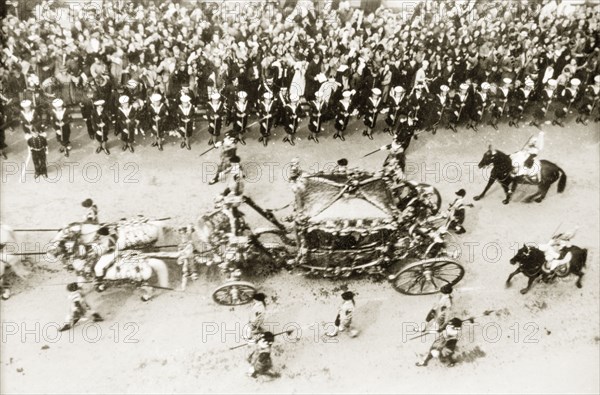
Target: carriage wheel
(234, 293)
(434, 198)
(428, 276)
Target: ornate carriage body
(344, 223)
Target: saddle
(526, 168)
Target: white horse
(9, 259)
(128, 265)
(131, 234)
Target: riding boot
(97, 317)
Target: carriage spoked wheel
(431, 195)
(428, 276)
(234, 293)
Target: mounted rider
(525, 162)
(91, 215)
(108, 253)
(79, 307)
(556, 251)
(186, 255)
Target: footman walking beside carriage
(79, 308)
(343, 321)
(254, 329)
(444, 347)
(260, 358)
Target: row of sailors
(427, 111)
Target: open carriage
(344, 223)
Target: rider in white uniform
(109, 252)
(553, 251)
(524, 161)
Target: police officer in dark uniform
(521, 98)
(501, 99)
(87, 107)
(459, 102)
(101, 121)
(437, 107)
(546, 97)
(566, 98)
(589, 101)
(293, 115)
(38, 145)
(479, 104)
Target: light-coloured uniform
(346, 312)
(256, 320)
(534, 147)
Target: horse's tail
(584, 257)
(562, 181)
(162, 273)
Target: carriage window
(318, 239)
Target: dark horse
(531, 260)
(502, 167)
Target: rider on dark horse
(525, 159)
(556, 252)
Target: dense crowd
(155, 69)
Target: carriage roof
(355, 199)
